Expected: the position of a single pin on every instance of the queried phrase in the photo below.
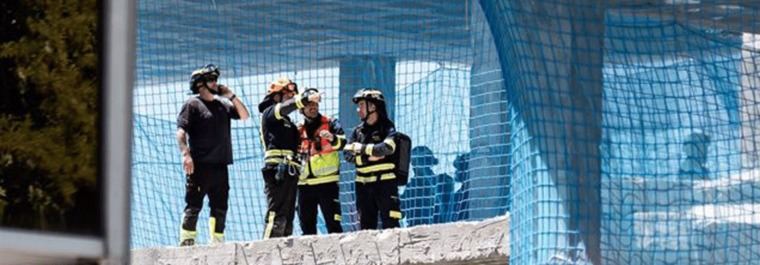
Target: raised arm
(240, 110)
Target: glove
(354, 148)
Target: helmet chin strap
(367, 116)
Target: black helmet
(203, 74)
(371, 94)
(310, 91)
(375, 96)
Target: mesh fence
(614, 132)
(633, 130)
(419, 53)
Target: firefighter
(371, 148)
(280, 139)
(205, 120)
(321, 139)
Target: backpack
(402, 157)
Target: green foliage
(48, 140)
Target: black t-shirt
(207, 124)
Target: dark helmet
(310, 91)
(306, 93)
(203, 74)
(376, 97)
(370, 94)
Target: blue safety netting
(633, 130)
(421, 54)
(614, 132)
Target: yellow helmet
(282, 83)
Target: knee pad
(190, 218)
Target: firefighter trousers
(375, 198)
(211, 180)
(324, 196)
(281, 202)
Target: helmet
(280, 84)
(203, 74)
(371, 94)
(310, 91)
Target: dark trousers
(324, 196)
(281, 202)
(211, 180)
(378, 197)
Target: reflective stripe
(186, 234)
(319, 180)
(338, 142)
(277, 111)
(214, 237)
(370, 179)
(395, 214)
(261, 130)
(279, 160)
(337, 217)
(270, 225)
(278, 152)
(299, 104)
(390, 143)
(368, 149)
(358, 159)
(376, 168)
(217, 238)
(323, 165)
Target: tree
(48, 115)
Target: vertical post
(116, 126)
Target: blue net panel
(611, 132)
(420, 54)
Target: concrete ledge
(485, 242)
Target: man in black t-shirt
(205, 120)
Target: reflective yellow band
(368, 149)
(370, 179)
(324, 164)
(390, 143)
(387, 176)
(270, 225)
(277, 111)
(278, 152)
(186, 234)
(337, 217)
(261, 131)
(319, 180)
(299, 104)
(338, 141)
(279, 160)
(395, 214)
(358, 159)
(376, 168)
(217, 237)
(214, 237)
